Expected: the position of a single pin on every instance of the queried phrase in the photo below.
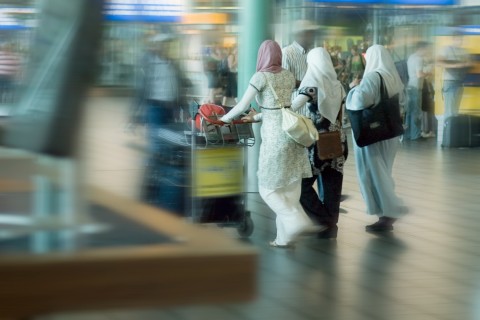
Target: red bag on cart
(208, 111)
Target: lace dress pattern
(282, 161)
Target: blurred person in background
(10, 66)
(294, 56)
(283, 163)
(416, 77)
(344, 79)
(456, 62)
(355, 63)
(429, 123)
(324, 94)
(232, 73)
(162, 96)
(374, 162)
(160, 84)
(337, 61)
(212, 69)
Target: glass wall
(205, 35)
(206, 26)
(122, 47)
(17, 18)
(343, 26)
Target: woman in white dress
(374, 162)
(324, 94)
(282, 162)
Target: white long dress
(282, 162)
(374, 163)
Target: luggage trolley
(199, 170)
(218, 163)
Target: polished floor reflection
(429, 268)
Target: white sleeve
(242, 106)
(365, 94)
(258, 117)
(299, 102)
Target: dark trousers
(161, 181)
(323, 212)
(158, 113)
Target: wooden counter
(200, 266)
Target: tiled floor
(429, 268)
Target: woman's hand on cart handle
(222, 122)
(250, 117)
(219, 122)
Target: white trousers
(285, 202)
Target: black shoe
(384, 224)
(378, 227)
(387, 220)
(330, 233)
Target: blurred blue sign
(12, 27)
(16, 18)
(349, 1)
(144, 10)
(422, 2)
(470, 30)
(395, 2)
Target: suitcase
(461, 131)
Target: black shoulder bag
(379, 122)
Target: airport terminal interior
(101, 220)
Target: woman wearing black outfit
(324, 93)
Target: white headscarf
(322, 75)
(379, 60)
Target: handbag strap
(383, 88)
(275, 96)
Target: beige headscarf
(379, 60)
(322, 75)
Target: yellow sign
(218, 172)
(469, 102)
(205, 18)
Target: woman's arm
(305, 94)
(252, 116)
(242, 106)
(300, 101)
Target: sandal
(274, 244)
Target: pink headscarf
(269, 57)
